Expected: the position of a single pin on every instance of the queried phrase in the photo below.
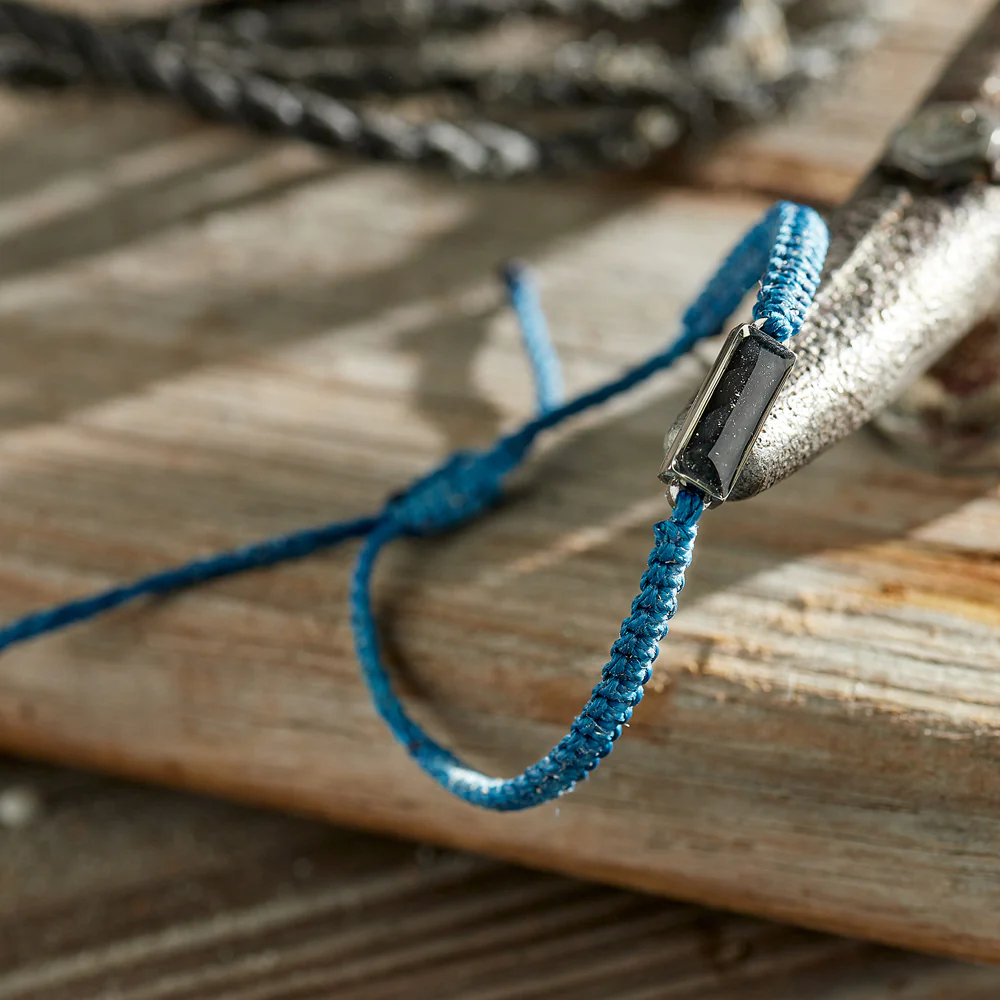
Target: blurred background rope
(493, 88)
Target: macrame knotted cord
(788, 247)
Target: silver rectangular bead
(709, 451)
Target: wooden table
(210, 338)
(110, 890)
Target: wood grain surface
(108, 890)
(210, 338)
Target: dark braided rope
(85, 52)
(66, 49)
(582, 74)
(618, 103)
(700, 59)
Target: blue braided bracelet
(788, 247)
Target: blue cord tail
(545, 365)
(269, 552)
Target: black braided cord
(619, 81)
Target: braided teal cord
(793, 272)
(787, 246)
(593, 732)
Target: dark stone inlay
(714, 453)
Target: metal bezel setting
(669, 473)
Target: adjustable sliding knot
(468, 483)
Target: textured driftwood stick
(209, 339)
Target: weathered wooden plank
(111, 890)
(210, 338)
